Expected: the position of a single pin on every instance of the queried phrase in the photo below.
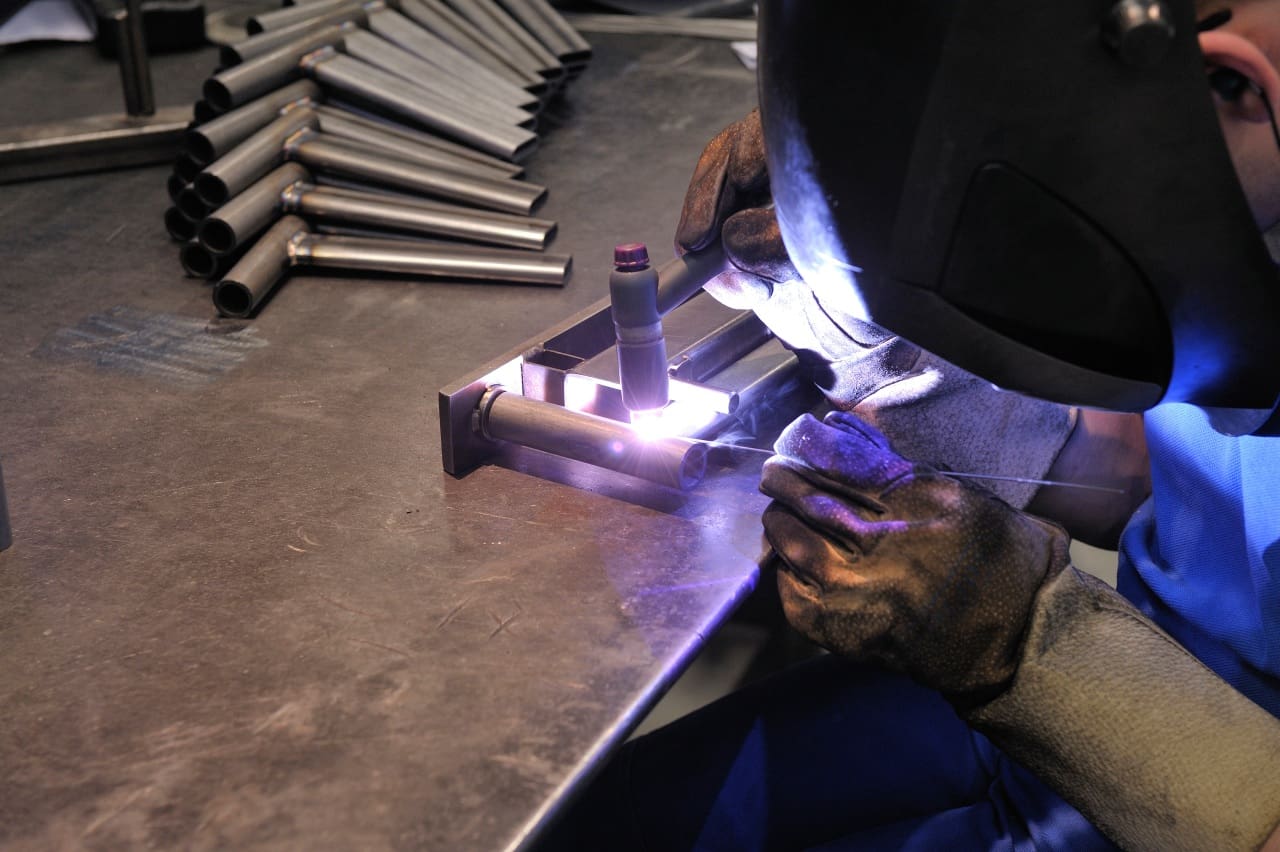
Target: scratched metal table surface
(245, 607)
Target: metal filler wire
(952, 473)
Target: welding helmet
(1038, 192)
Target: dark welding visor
(1038, 192)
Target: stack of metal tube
(373, 135)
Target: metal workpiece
(191, 204)
(363, 81)
(256, 274)
(207, 142)
(186, 169)
(288, 16)
(451, 64)
(533, 18)
(321, 204)
(466, 97)
(174, 184)
(251, 159)
(323, 153)
(135, 71)
(92, 144)
(549, 65)
(198, 262)
(342, 125)
(202, 111)
(437, 17)
(250, 212)
(355, 189)
(267, 41)
(241, 83)
(677, 463)
(354, 118)
(721, 347)
(470, 263)
(180, 227)
(580, 48)
(504, 43)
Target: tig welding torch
(641, 296)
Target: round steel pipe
(197, 261)
(674, 462)
(436, 261)
(504, 43)
(532, 19)
(450, 62)
(404, 149)
(458, 31)
(181, 227)
(251, 159)
(390, 92)
(267, 41)
(351, 121)
(207, 142)
(322, 153)
(192, 205)
(289, 15)
(256, 274)
(240, 84)
(416, 71)
(203, 111)
(174, 185)
(377, 212)
(550, 66)
(249, 213)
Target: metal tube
(334, 205)
(242, 83)
(413, 258)
(566, 29)
(174, 185)
(408, 66)
(326, 154)
(249, 213)
(287, 16)
(458, 31)
(180, 226)
(351, 189)
(203, 111)
(197, 261)
(573, 54)
(338, 125)
(256, 274)
(504, 44)
(208, 142)
(387, 90)
(251, 159)
(450, 62)
(191, 204)
(674, 462)
(186, 168)
(550, 66)
(267, 41)
(135, 71)
(418, 138)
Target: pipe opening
(203, 111)
(175, 185)
(178, 225)
(197, 261)
(198, 147)
(228, 56)
(190, 203)
(217, 236)
(186, 168)
(693, 467)
(232, 299)
(211, 190)
(217, 94)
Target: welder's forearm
(1106, 449)
(1146, 742)
(1273, 842)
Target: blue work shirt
(1201, 557)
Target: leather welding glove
(935, 411)
(890, 561)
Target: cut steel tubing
(418, 138)
(351, 189)
(135, 71)
(537, 18)
(240, 84)
(203, 111)
(179, 225)
(249, 213)
(330, 205)
(567, 31)
(413, 69)
(326, 154)
(340, 125)
(674, 462)
(207, 142)
(550, 66)
(290, 243)
(186, 168)
(192, 205)
(388, 91)
(251, 159)
(267, 41)
(458, 31)
(197, 261)
(504, 44)
(289, 15)
(450, 62)
(175, 184)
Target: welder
(1040, 195)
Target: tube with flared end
(339, 125)
(674, 462)
(482, 18)
(420, 139)
(458, 31)
(249, 213)
(251, 159)
(551, 67)
(532, 19)
(240, 84)
(318, 151)
(198, 262)
(572, 37)
(207, 142)
(362, 81)
(471, 263)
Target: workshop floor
(728, 658)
